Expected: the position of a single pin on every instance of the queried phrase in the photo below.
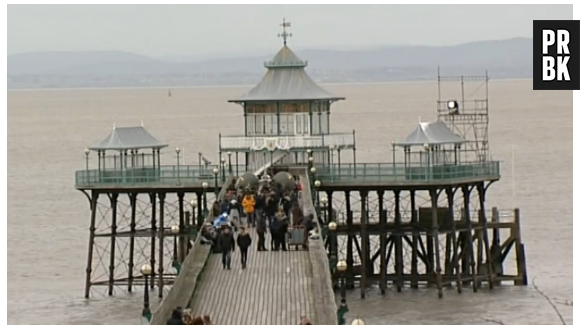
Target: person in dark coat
(261, 231)
(274, 227)
(271, 207)
(282, 232)
(215, 209)
(244, 242)
(176, 317)
(228, 245)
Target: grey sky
(234, 29)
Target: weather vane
(284, 35)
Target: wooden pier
(417, 218)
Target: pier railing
(161, 175)
(325, 304)
(401, 172)
(237, 143)
(192, 267)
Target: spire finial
(284, 35)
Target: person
(305, 321)
(244, 242)
(215, 209)
(249, 204)
(274, 227)
(234, 213)
(176, 317)
(261, 230)
(282, 229)
(297, 215)
(207, 320)
(198, 321)
(286, 204)
(227, 245)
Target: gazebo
(129, 159)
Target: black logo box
(573, 27)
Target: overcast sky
(160, 30)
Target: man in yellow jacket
(249, 204)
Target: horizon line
(305, 48)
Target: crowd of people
(269, 207)
(180, 317)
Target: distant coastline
(502, 59)
(248, 86)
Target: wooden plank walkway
(274, 289)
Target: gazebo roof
(286, 80)
(433, 133)
(125, 138)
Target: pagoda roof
(128, 138)
(433, 133)
(286, 80)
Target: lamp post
(332, 245)
(331, 159)
(317, 185)
(223, 161)
(146, 271)
(230, 162)
(341, 267)
(324, 202)
(177, 151)
(175, 264)
(216, 171)
(193, 203)
(87, 152)
(204, 185)
(358, 321)
(427, 160)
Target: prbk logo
(556, 55)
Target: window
(259, 125)
(286, 124)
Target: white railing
(338, 140)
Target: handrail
(325, 304)
(185, 283)
(164, 174)
(407, 171)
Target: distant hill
(511, 58)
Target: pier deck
(274, 289)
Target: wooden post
(182, 248)
(468, 242)
(520, 254)
(133, 202)
(114, 198)
(485, 236)
(383, 243)
(398, 241)
(435, 233)
(364, 241)
(89, 269)
(161, 235)
(415, 250)
(496, 246)
(153, 200)
(350, 241)
(455, 258)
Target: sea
(529, 131)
